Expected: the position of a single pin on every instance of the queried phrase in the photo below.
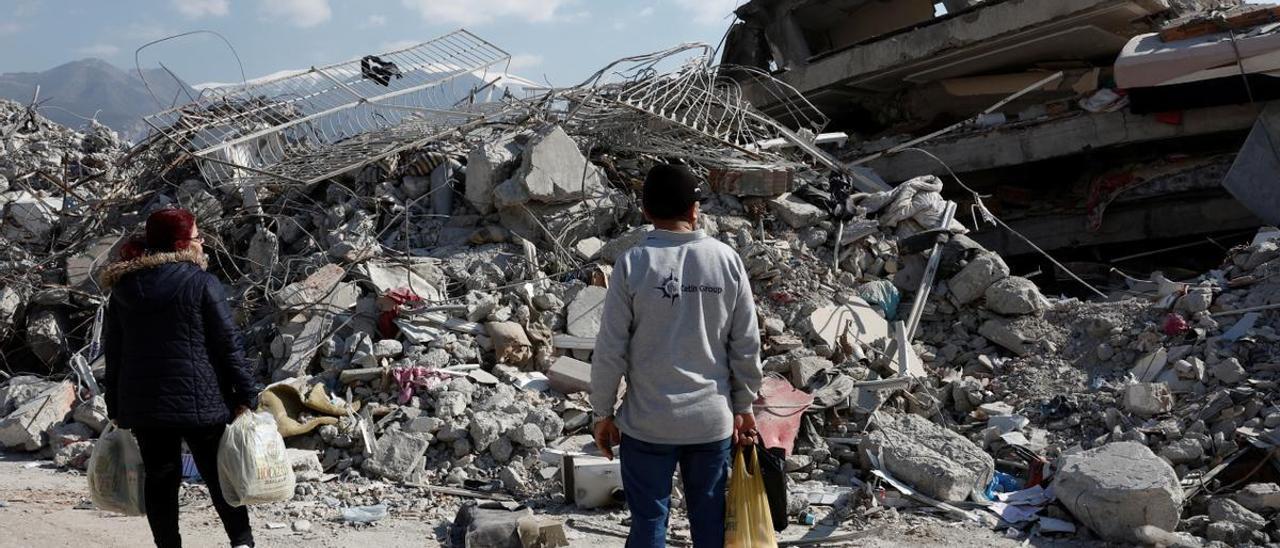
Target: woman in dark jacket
(175, 369)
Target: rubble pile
(424, 327)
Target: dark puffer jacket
(173, 352)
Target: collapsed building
(419, 264)
(1131, 144)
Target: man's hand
(607, 436)
(239, 410)
(744, 429)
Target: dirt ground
(43, 507)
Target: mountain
(72, 92)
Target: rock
(301, 526)
(510, 342)
(423, 425)
(796, 212)
(973, 280)
(1148, 399)
(1116, 488)
(547, 422)
(46, 335)
(92, 412)
(1014, 296)
(1259, 497)
(588, 249)
(306, 464)
(1004, 333)
(488, 165)
(1222, 509)
(501, 449)
(1183, 451)
(528, 435)
(484, 430)
(74, 455)
(804, 370)
(797, 463)
(940, 463)
(1232, 534)
(451, 404)
(554, 171)
(547, 301)
(1197, 299)
(68, 433)
(512, 477)
(387, 348)
(1229, 371)
(400, 455)
(585, 312)
(26, 427)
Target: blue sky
(562, 41)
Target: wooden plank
(1203, 27)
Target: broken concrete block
(973, 280)
(28, 218)
(1004, 333)
(93, 413)
(306, 464)
(46, 335)
(804, 370)
(858, 319)
(553, 170)
(1259, 497)
(629, 239)
(1183, 451)
(796, 212)
(26, 427)
(940, 463)
(74, 455)
(588, 249)
(399, 456)
(1014, 296)
(1119, 487)
(1231, 534)
(488, 165)
(586, 311)
(11, 302)
(20, 390)
(1222, 509)
(1148, 399)
(569, 376)
(510, 342)
(1229, 371)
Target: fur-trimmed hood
(113, 272)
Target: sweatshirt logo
(670, 288)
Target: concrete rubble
(426, 351)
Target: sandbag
(115, 473)
(748, 523)
(253, 464)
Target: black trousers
(162, 461)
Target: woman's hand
(239, 410)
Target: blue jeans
(647, 470)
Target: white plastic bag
(253, 466)
(115, 473)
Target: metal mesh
(313, 125)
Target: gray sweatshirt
(680, 325)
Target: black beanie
(669, 191)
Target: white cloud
(8, 28)
(374, 21)
(521, 61)
(196, 9)
(475, 12)
(709, 12)
(397, 45)
(99, 50)
(647, 11)
(299, 13)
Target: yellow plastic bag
(748, 523)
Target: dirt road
(43, 507)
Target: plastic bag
(747, 520)
(253, 466)
(773, 473)
(115, 473)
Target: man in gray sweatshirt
(680, 326)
